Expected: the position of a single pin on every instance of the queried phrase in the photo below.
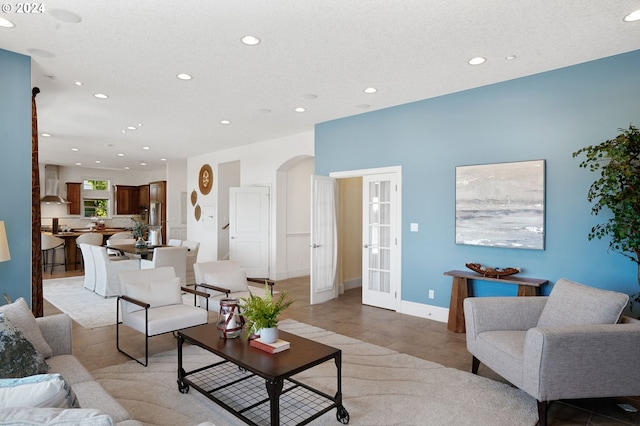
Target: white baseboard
(353, 283)
(422, 310)
(292, 273)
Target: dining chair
(119, 238)
(89, 266)
(192, 258)
(92, 238)
(174, 242)
(169, 256)
(107, 270)
(49, 244)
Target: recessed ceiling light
(184, 76)
(163, 159)
(143, 164)
(45, 135)
(633, 16)
(124, 131)
(120, 155)
(299, 109)
(250, 40)
(510, 57)
(98, 161)
(309, 96)
(78, 164)
(78, 83)
(139, 124)
(126, 167)
(264, 110)
(225, 122)
(132, 128)
(101, 96)
(5, 23)
(146, 148)
(362, 106)
(370, 90)
(477, 60)
(75, 149)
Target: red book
(273, 348)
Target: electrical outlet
(431, 294)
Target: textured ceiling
(332, 49)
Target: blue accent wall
(15, 172)
(544, 116)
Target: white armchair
(107, 269)
(151, 303)
(224, 278)
(169, 256)
(569, 345)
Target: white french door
(380, 240)
(324, 240)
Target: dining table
(142, 252)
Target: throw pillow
(155, 293)
(54, 417)
(18, 357)
(234, 281)
(571, 303)
(21, 316)
(41, 390)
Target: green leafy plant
(618, 190)
(139, 228)
(263, 312)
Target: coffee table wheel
(342, 415)
(183, 388)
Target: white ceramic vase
(269, 335)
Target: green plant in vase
(139, 230)
(617, 190)
(262, 312)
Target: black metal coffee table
(258, 387)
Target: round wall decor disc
(194, 197)
(205, 179)
(197, 212)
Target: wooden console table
(460, 290)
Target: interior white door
(380, 242)
(249, 229)
(324, 240)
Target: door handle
(316, 245)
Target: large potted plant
(261, 314)
(617, 190)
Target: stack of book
(273, 348)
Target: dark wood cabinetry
(127, 199)
(144, 196)
(73, 197)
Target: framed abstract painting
(501, 205)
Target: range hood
(52, 186)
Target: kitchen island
(73, 256)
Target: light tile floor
(346, 315)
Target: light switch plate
(414, 227)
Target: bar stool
(92, 238)
(49, 244)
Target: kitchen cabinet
(144, 197)
(157, 192)
(74, 197)
(127, 199)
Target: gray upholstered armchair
(569, 345)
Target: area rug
(87, 308)
(380, 387)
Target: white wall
(176, 198)
(259, 163)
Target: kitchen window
(96, 198)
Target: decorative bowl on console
(492, 272)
